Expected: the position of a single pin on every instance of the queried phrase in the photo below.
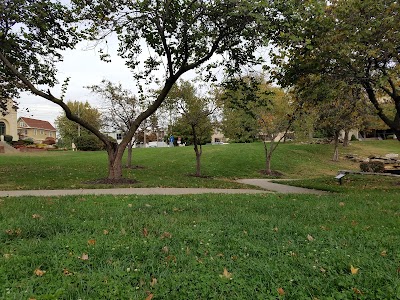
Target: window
(41, 131)
(119, 136)
(35, 131)
(21, 124)
(26, 131)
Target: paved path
(279, 188)
(263, 185)
(129, 191)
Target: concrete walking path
(280, 188)
(129, 191)
(263, 185)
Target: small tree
(70, 131)
(195, 113)
(266, 108)
(121, 107)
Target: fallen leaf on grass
(153, 281)
(7, 255)
(91, 242)
(105, 231)
(341, 203)
(84, 256)
(166, 235)
(276, 229)
(145, 232)
(384, 253)
(226, 274)
(357, 291)
(310, 238)
(39, 272)
(149, 297)
(66, 272)
(353, 270)
(281, 291)
(36, 216)
(165, 249)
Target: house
(37, 130)
(8, 121)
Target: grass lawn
(343, 245)
(169, 167)
(339, 246)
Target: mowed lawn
(343, 245)
(339, 246)
(172, 167)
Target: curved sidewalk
(129, 191)
(266, 184)
(263, 185)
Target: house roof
(33, 123)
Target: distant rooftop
(40, 124)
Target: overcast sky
(84, 68)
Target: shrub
(8, 138)
(28, 141)
(353, 138)
(88, 143)
(49, 141)
(374, 166)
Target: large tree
(355, 41)
(177, 36)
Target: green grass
(169, 167)
(264, 241)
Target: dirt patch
(121, 181)
(137, 167)
(273, 173)
(201, 176)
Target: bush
(88, 143)
(372, 166)
(28, 141)
(8, 138)
(49, 141)
(353, 138)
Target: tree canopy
(167, 37)
(356, 41)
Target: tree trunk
(346, 138)
(268, 156)
(197, 151)
(198, 156)
(336, 150)
(114, 164)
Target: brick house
(37, 130)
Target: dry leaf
(166, 235)
(165, 249)
(281, 291)
(67, 273)
(153, 281)
(36, 216)
(245, 232)
(145, 232)
(384, 253)
(354, 223)
(129, 205)
(310, 238)
(322, 270)
(105, 232)
(171, 258)
(84, 256)
(357, 291)
(39, 272)
(91, 242)
(341, 203)
(7, 255)
(353, 270)
(220, 255)
(226, 274)
(276, 229)
(149, 297)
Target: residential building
(37, 130)
(8, 121)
